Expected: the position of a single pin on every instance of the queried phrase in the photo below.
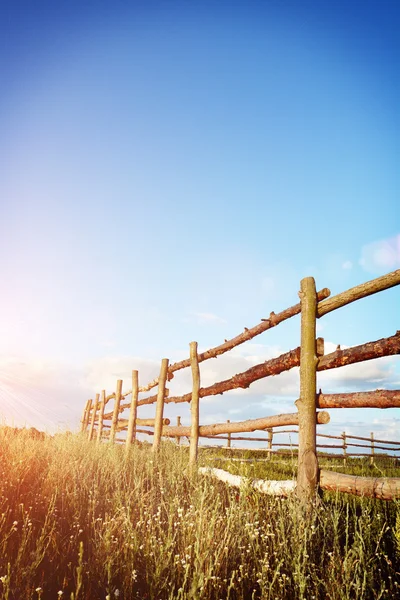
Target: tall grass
(83, 521)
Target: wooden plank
(360, 291)
(373, 487)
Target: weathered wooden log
(93, 417)
(124, 423)
(273, 488)
(340, 358)
(365, 439)
(88, 413)
(275, 366)
(108, 416)
(132, 421)
(344, 444)
(368, 446)
(286, 431)
(332, 437)
(243, 426)
(242, 380)
(355, 437)
(101, 415)
(380, 455)
(123, 406)
(307, 473)
(236, 438)
(114, 422)
(178, 424)
(376, 399)
(360, 291)
(248, 334)
(194, 406)
(373, 449)
(160, 405)
(270, 438)
(374, 487)
(229, 438)
(85, 415)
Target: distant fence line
(309, 356)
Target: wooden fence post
(344, 449)
(194, 406)
(270, 437)
(307, 476)
(131, 435)
(94, 413)
(87, 415)
(228, 443)
(160, 404)
(83, 420)
(101, 415)
(371, 460)
(178, 424)
(114, 422)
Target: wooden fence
(271, 447)
(309, 356)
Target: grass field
(83, 521)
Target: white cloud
(381, 256)
(347, 265)
(103, 373)
(46, 393)
(386, 428)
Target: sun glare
(23, 405)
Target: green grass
(82, 521)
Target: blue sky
(170, 171)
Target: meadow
(87, 521)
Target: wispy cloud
(347, 265)
(381, 256)
(205, 318)
(48, 393)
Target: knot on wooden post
(320, 347)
